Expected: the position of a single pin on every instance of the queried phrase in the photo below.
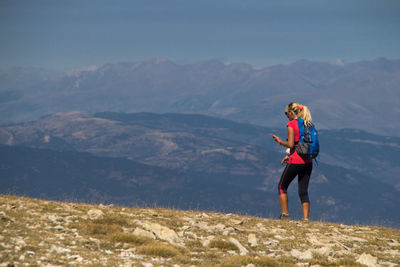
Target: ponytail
(305, 114)
(301, 111)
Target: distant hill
(77, 176)
(195, 160)
(362, 95)
(64, 233)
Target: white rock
(108, 252)
(126, 254)
(163, 233)
(95, 214)
(201, 225)
(278, 231)
(77, 258)
(129, 253)
(6, 246)
(325, 251)
(271, 242)
(238, 222)
(367, 259)
(206, 242)
(60, 249)
(30, 253)
(306, 255)
(55, 218)
(20, 242)
(252, 239)
(59, 228)
(279, 237)
(315, 240)
(242, 250)
(144, 233)
(219, 227)
(145, 264)
(261, 227)
(191, 234)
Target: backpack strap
(300, 123)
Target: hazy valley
(194, 161)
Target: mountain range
(362, 95)
(195, 161)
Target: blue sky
(70, 34)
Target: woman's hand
(276, 138)
(285, 159)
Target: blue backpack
(308, 145)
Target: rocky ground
(44, 233)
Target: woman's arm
(290, 140)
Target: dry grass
(130, 238)
(37, 233)
(245, 260)
(223, 245)
(323, 261)
(160, 250)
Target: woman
(296, 166)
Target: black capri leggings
(291, 171)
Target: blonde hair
(301, 111)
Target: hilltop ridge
(46, 233)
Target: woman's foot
(284, 216)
